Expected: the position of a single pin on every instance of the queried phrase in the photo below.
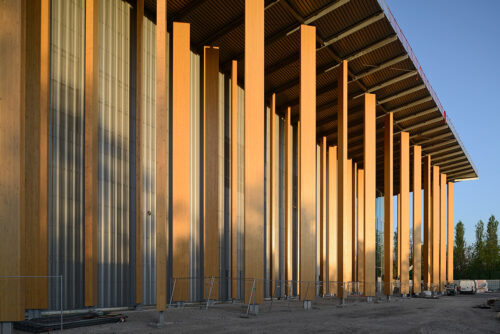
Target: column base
(254, 309)
(389, 298)
(307, 304)
(369, 299)
(6, 328)
(161, 320)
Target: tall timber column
(343, 227)
(274, 197)
(12, 118)
(442, 233)
(307, 160)
(323, 218)
(297, 236)
(211, 168)
(370, 150)
(349, 252)
(162, 198)
(254, 148)
(360, 240)
(36, 163)
(288, 200)
(388, 191)
(435, 229)
(354, 220)
(449, 270)
(91, 150)
(332, 218)
(404, 186)
(181, 141)
(139, 115)
(417, 218)
(234, 179)
(427, 222)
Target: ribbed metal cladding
(149, 163)
(67, 54)
(114, 185)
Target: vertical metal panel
(91, 153)
(66, 152)
(195, 180)
(148, 161)
(114, 150)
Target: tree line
(480, 260)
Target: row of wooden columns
(350, 210)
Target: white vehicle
(467, 286)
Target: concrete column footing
(369, 299)
(161, 320)
(254, 309)
(307, 304)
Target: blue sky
(457, 43)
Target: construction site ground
(447, 314)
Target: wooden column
(12, 150)
(442, 233)
(348, 258)
(435, 229)
(211, 168)
(138, 149)
(449, 271)
(162, 133)
(427, 222)
(36, 157)
(298, 207)
(404, 186)
(91, 149)
(274, 197)
(332, 219)
(354, 220)
(234, 179)
(254, 148)
(307, 159)
(370, 150)
(323, 218)
(388, 191)
(288, 199)
(398, 238)
(361, 230)
(181, 141)
(343, 227)
(417, 218)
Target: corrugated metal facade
(66, 152)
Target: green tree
(478, 254)
(491, 249)
(459, 257)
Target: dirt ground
(454, 314)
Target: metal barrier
(26, 280)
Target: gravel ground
(454, 314)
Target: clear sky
(457, 43)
